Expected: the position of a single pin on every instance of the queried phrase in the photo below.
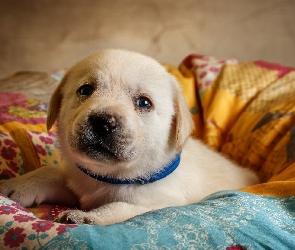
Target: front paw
(15, 190)
(75, 217)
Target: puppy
(124, 132)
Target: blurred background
(53, 34)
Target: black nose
(103, 124)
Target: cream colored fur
(145, 141)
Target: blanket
(243, 110)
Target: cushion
(244, 110)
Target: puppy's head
(117, 110)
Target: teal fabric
(225, 220)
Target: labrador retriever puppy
(124, 132)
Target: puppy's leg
(108, 214)
(46, 184)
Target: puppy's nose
(103, 124)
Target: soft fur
(138, 142)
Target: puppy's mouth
(99, 152)
(112, 147)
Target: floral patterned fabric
(226, 220)
(20, 228)
(230, 220)
(25, 144)
(244, 110)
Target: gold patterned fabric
(247, 112)
(244, 110)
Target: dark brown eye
(86, 90)
(143, 102)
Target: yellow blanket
(246, 111)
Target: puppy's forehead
(120, 67)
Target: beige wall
(52, 34)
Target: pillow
(244, 110)
(25, 144)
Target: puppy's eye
(86, 90)
(143, 102)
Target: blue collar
(160, 174)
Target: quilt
(243, 110)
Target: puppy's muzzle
(104, 136)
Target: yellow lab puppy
(124, 131)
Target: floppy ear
(184, 120)
(55, 103)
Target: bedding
(244, 110)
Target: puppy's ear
(55, 103)
(183, 119)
